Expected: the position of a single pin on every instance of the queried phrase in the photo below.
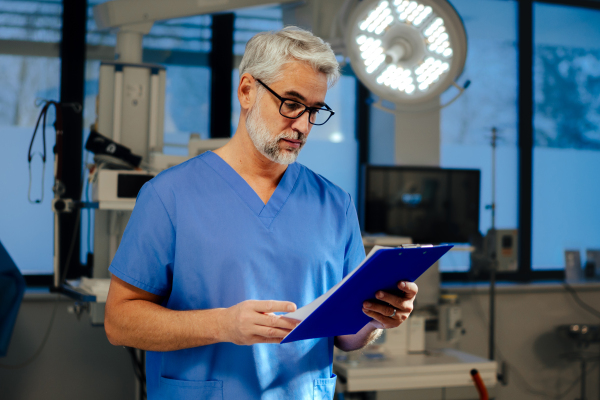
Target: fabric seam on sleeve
(349, 203)
(161, 291)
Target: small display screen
(129, 185)
(429, 205)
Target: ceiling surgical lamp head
(406, 51)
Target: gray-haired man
(217, 245)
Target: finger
(382, 309)
(270, 332)
(399, 303)
(269, 306)
(409, 288)
(381, 321)
(278, 321)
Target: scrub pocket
(324, 388)
(191, 390)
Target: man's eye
(292, 106)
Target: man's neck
(262, 174)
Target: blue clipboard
(341, 313)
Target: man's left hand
(396, 308)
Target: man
(218, 245)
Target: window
(332, 150)
(182, 46)
(566, 158)
(29, 69)
(465, 126)
(248, 23)
(490, 101)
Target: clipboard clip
(414, 246)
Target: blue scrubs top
(202, 238)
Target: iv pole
(493, 262)
(494, 258)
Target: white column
(418, 138)
(418, 144)
(129, 42)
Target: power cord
(580, 302)
(138, 369)
(523, 384)
(56, 301)
(530, 389)
(41, 347)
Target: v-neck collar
(266, 212)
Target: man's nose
(301, 123)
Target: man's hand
(397, 308)
(253, 321)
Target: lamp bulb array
(430, 72)
(397, 78)
(396, 75)
(437, 38)
(371, 52)
(378, 19)
(412, 12)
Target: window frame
(525, 97)
(525, 38)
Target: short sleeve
(145, 256)
(355, 250)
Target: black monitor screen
(430, 205)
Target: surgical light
(406, 51)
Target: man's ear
(247, 91)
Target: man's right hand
(253, 321)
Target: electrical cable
(530, 389)
(56, 301)
(580, 302)
(51, 323)
(58, 128)
(72, 245)
(523, 384)
(87, 199)
(41, 118)
(41, 199)
(138, 370)
(89, 217)
(42, 345)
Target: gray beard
(264, 141)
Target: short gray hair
(267, 52)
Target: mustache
(296, 135)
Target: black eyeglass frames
(293, 109)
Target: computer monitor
(430, 205)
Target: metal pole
(492, 240)
(492, 311)
(494, 142)
(583, 372)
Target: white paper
(302, 313)
(97, 286)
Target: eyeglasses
(293, 109)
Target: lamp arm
(461, 90)
(117, 13)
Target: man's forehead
(302, 82)
(311, 100)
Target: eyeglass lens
(292, 109)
